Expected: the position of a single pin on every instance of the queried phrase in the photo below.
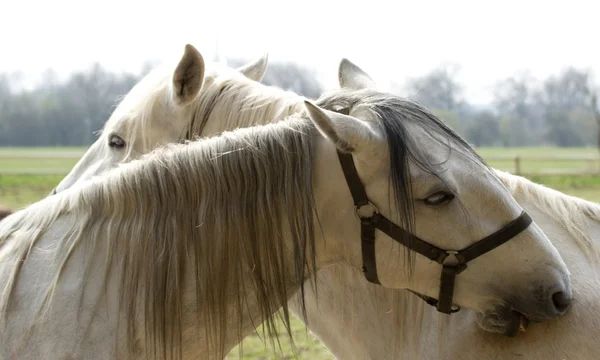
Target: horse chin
(508, 323)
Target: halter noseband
(453, 262)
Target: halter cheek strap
(453, 262)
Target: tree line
(560, 110)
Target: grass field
(28, 174)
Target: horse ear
(188, 76)
(347, 133)
(255, 70)
(352, 77)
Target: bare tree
(565, 101)
(594, 105)
(438, 89)
(520, 118)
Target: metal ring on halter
(451, 256)
(357, 208)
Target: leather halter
(453, 262)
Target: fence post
(517, 165)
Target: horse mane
(237, 101)
(220, 206)
(226, 95)
(569, 211)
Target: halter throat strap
(453, 262)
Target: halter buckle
(357, 209)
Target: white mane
(227, 100)
(179, 207)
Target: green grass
(18, 189)
(57, 160)
(537, 151)
(57, 150)
(21, 190)
(307, 346)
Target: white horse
(357, 320)
(183, 252)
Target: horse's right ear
(352, 77)
(255, 70)
(188, 76)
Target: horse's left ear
(255, 70)
(347, 133)
(188, 76)
(352, 77)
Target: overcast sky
(391, 40)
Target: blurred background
(518, 79)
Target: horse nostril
(561, 301)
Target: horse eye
(438, 198)
(116, 142)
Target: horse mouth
(509, 323)
(517, 323)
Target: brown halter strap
(453, 262)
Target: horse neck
(231, 103)
(245, 314)
(183, 208)
(251, 315)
